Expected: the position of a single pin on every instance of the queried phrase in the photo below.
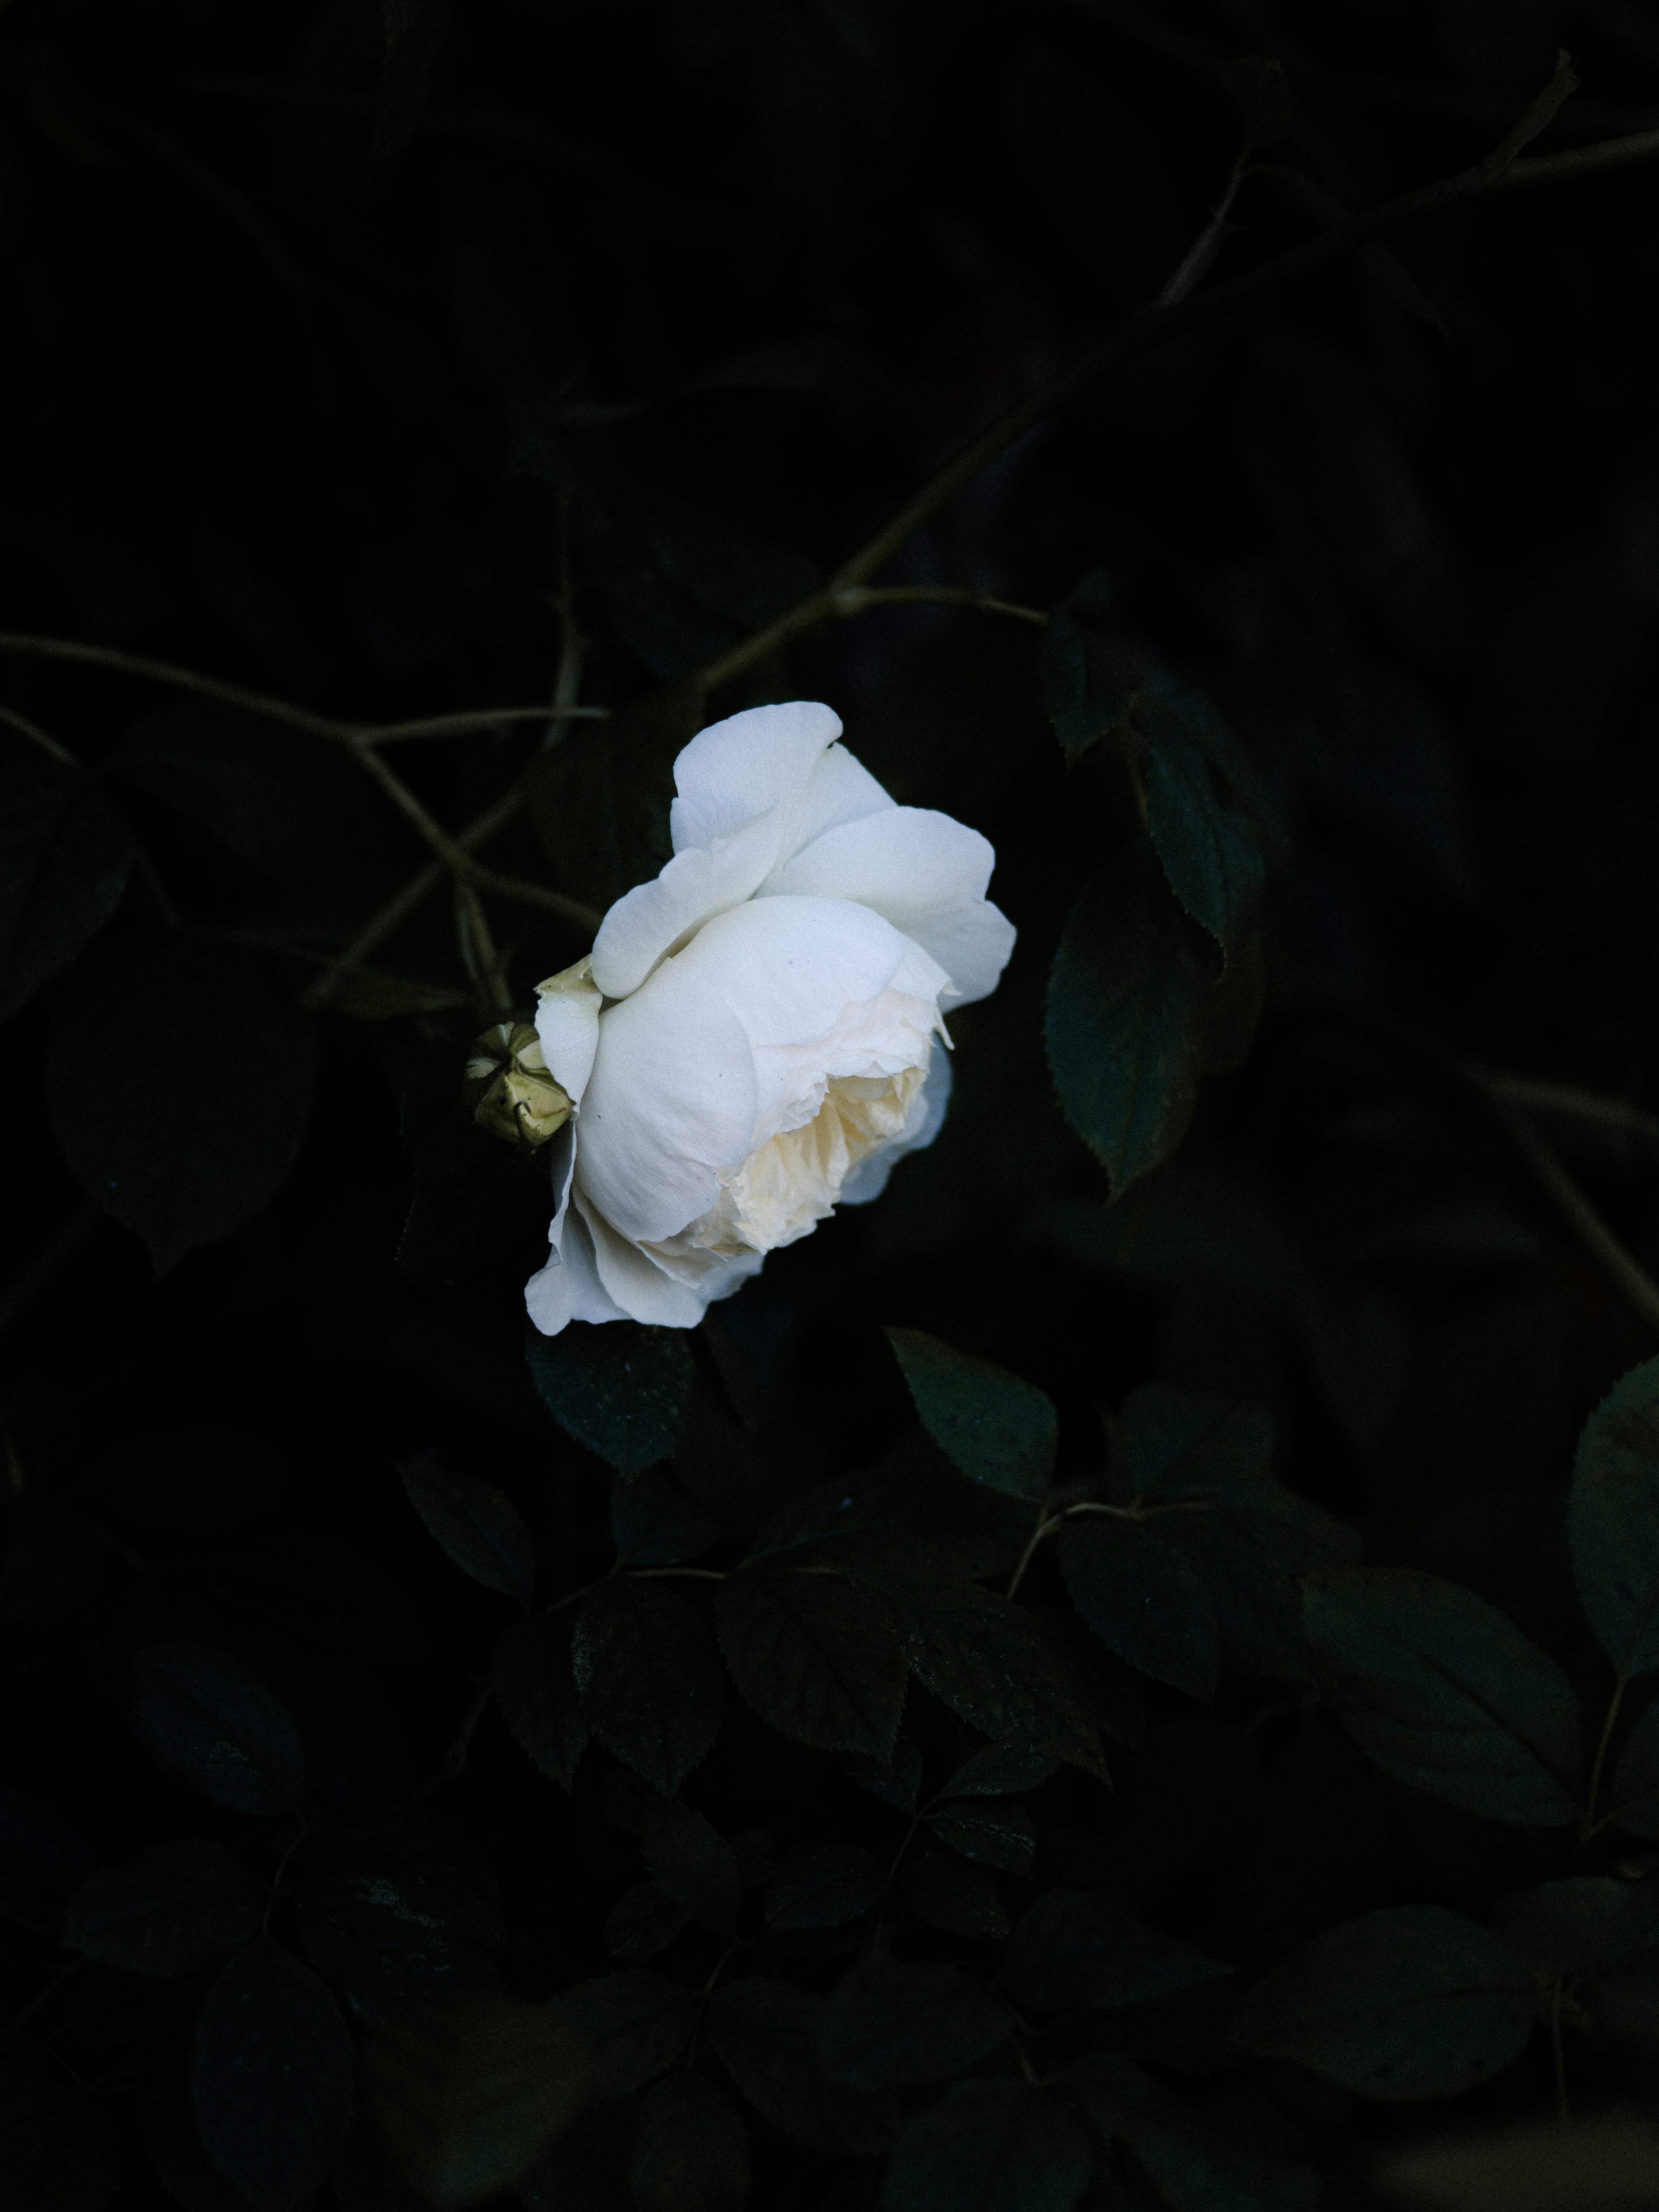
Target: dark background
(314, 356)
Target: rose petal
(567, 1025)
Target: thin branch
(459, 1749)
(475, 718)
(1564, 1101)
(1152, 327)
(860, 596)
(1200, 256)
(479, 955)
(37, 736)
(1590, 1825)
(96, 794)
(1045, 1524)
(60, 1249)
(699, 1574)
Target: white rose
(751, 1038)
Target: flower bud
(514, 1095)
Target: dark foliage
(1099, 1681)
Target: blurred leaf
(989, 2147)
(1612, 1521)
(817, 1656)
(217, 1726)
(836, 1883)
(1142, 1599)
(649, 1678)
(412, 34)
(59, 2152)
(599, 799)
(467, 2092)
(943, 1892)
(194, 1477)
(176, 1906)
(1074, 1952)
(655, 1524)
(767, 2035)
(1409, 2002)
(290, 804)
(1601, 2164)
(1445, 1694)
(644, 1921)
(216, 1074)
(478, 1525)
(1229, 2151)
(386, 1944)
(999, 1430)
(586, 2168)
(694, 1865)
(1209, 852)
(1585, 1921)
(994, 1834)
(1124, 1020)
(892, 2021)
(270, 2077)
(690, 2151)
(533, 1673)
(43, 1861)
(64, 863)
(636, 2022)
(1394, 767)
(617, 1387)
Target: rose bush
(752, 1039)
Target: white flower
(751, 1038)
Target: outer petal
(568, 1287)
(567, 1025)
(641, 1287)
(742, 785)
(925, 873)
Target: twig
(698, 1574)
(70, 1242)
(479, 956)
(1200, 257)
(1566, 1102)
(37, 736)
(1152, 327)
(459, 1749)
(357, 735)
(860, 596)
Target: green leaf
(1612, 1521)
(586, 2169)
(63, 864)
(468, 2093)
(385, 1945)
(945, 1892)
(643, 1921)
(989, 2147)
(999, 1430)
(817, 1657)
(1409, 2002)
(1089, 680)
(1445, 1693)
(176, 1906)
(195, 1476)
(436, 1871)
(59, 2152)
(998, 1770)
(1073, 1951)
(655, 1524)
(836, 1883)
(412, 34)
(1209, 852)
(1142, 1599)
(1124, 1018)
(649, 1678)
(533, 1673)
(617, 1387)
(694, 1865)
(996, 1666)
(270, 2077)
(931, 1518)
(216, 1074)
(1181, 1443)
(636, 2022)
(479, 1527)
(896, 2021)
(896, 1780)
(43, 1860)
(995, 1835)
(690, 2149)
(217, 1726)
(767, 2037)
